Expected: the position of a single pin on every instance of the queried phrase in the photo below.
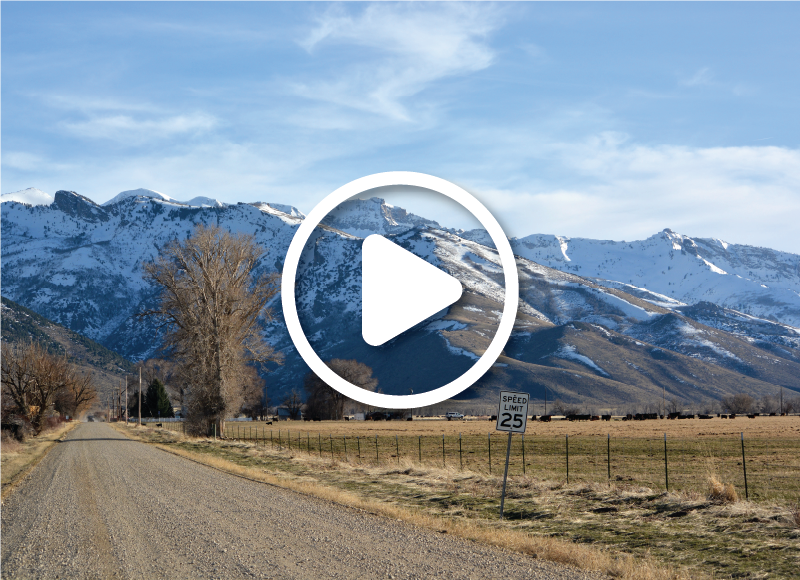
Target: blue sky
(602, 120)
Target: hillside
(21, 325)
(590, 340)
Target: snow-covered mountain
(199, 201)
(757, 281)
(599, 339)
(31, 196)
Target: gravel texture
(103, 506)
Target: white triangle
(399, 290)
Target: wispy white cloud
(625, 190)
(132, 130)
(21, 160)
(702, 77)
(407, 47)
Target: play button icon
(399, 290)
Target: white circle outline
(344, 193)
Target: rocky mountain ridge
(79, 264)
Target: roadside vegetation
(619, 527)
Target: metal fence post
(444, 459)
(319, 437)
(744, 467)
(490, 453)
(523, 454)
(397, 448)
(460, 457)
(345, 448)
(377, 459)
(567, 440)
(505, 476)
(608, 454)
(666, 473)
(420, 448)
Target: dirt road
(102, 506)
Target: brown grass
(758, 428)
(719, 492)
(9, 444)
(794, 514)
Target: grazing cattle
(578, 417)
(751, 416)
(606, 417)
(546, 418)
(594, 418)
(705, 417)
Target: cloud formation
(409, 47)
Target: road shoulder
(15, 466)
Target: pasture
(592, 452)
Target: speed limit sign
(512, 416)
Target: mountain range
(602, 324)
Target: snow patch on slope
(569, 352)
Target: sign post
(512, 416)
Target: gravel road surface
(103, 506)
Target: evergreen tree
(157, 403)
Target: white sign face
(512, 414)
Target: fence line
(758, 468)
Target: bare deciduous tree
(324, 402)
(210, 305)
(563, 408)
(293, 404)
(738, 404)
(253, 402)
(34, 379)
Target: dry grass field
(707, 531)
(599, 451)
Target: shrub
(9, 443)
(721, 492)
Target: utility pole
(126, 399)
(140, 396)
(781, 399)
